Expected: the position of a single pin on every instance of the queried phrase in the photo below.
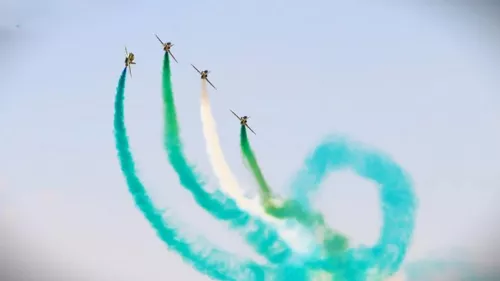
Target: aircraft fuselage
(129, 60)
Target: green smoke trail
(396, 195)
(175, 152)
(214, 263)
(333, 242)
(395, 188)
(262, 237)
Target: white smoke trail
(294, 236)
(226, 178)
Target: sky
(418, 82)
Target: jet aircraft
(204, 75)
(129, 60)
(243, 121)
(166, 47)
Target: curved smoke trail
(262, 237)
(229, 184)
(227, 180)
(333, 242)
(212, 262)
(396, 194)
(360, 264)
(287, 209)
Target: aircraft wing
(235, 114)
(130, 70)
(126, 52)
(196, 68)
(159, 39)
(172, 56)
(210, 83)
(251, 129)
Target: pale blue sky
(418, 83)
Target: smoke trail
(384, 258)
(287, 209)
(396, 194)
(264, 238)
(227, 180)
(264, 190)
(454, 268)
(333, 242)
(221, 169)
(293, 236)
(214, 263)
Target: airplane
(204, 75)
(243, 121)
(129, 59)
(166, 47)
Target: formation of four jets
(130, 57)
